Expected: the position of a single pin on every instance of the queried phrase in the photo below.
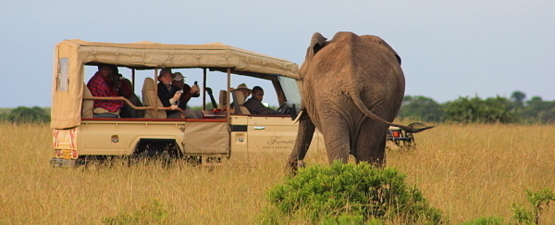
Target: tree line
(24, 114)
(516, 109)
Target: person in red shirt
(100, 85)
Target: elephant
(352, 89)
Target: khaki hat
(165, 70)
(177, 76)
(242, 86)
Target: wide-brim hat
(177, 76)
(242, 86)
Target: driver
(254, 104)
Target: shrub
(347, 192)
(152, 213)
(476, 110)
(486, 221)
(349, 220)
(540, 200)
(522, 215)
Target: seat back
(150, 97)
(133, 98)
(240, 98)
(87, 106)
(222, 104)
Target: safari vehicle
(399, 137)
(223, 132)
(402, 138)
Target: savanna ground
(467, 171)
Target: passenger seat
(240, 98)
(87, 105)
(222, 104)
(133, 98)
(150, 97)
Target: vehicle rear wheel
(165, 151)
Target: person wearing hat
(100, 85)
(246, 92)
(188, 92)
(168, 94)
(243, 88)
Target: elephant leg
(371, 144)
(337, 140)
(304, 138)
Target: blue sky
(449, 48)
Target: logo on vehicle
(276, 143)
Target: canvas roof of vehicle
(150, 55)
(71, 55)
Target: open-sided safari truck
(224, 131)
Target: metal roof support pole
(227, 112)
(133, 79)
(228, 92)
(155, 91)
(204, 88)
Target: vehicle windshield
(291, 91)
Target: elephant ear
(316, 43)
(379, 40)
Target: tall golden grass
(467, 171)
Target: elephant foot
(294, 166)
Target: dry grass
(466, 171)
(480, 170)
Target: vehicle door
(206, 137)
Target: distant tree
(476, 110)
(23, 114)
(518, 99)
(533, 107)
(421, 108)
(538, 110)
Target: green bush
(540, 201)
(523, 215)
(486, 221)
(476, 110)
(152, 213)
(345, 192)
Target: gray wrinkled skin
(352, 90)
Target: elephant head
(318, 42)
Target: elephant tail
(412, 128)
